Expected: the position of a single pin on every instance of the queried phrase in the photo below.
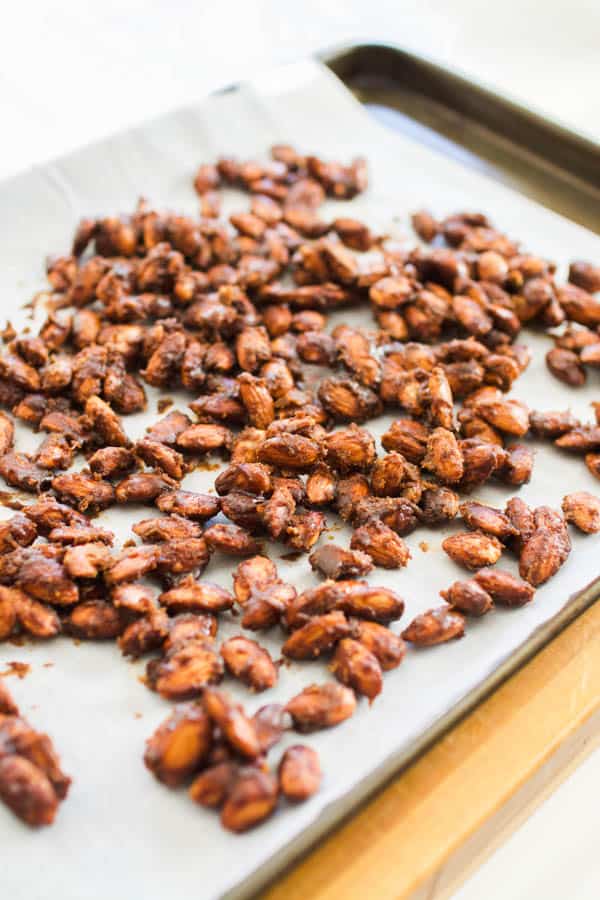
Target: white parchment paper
(120, 834)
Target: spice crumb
(20, 669)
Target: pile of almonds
(215, 743)
(235, 313)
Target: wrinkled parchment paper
(120, 834)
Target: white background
(70, 73)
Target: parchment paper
(120, 834)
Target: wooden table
(424, 832)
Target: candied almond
(36, 618)
(347, 400)
(350, 449)
(186, 670)
(17, 531)
(179, 745)
(546, 550)
(188, 504)
(389, 475)
(583, 439)
(566, 366)
(503, 587)
(212, 786)
(143, 487)
(161, 457)
(444, 457)
(321, 486)
(137, 598)
(356, 666)
(436, 626)
(46, 579)
(257, 400)
(106, 422)
(196, 596)
(408, 437)
(7, 433)
(190, 627)
(321, 706)
(357, 598)
(337, 562)
(253, 478)
(238, 730)
(319, 635)
(438, 505)
(145, 634)
(86, 493)
(473, 549)
(167, 429)
(19, 470)
(582, 509)
(8, 707)
(249, 662)
(27, 791)
(86, 560)
(166, 528)
(523, 519)
(177, 557)
(388, 648)
(8, 614)
(251, 799)
(585, 275)
(203, 438)
(508, 416)
(517, 466)
(381, 544)
(254, 574)
(468, 597)
(231, 539)
(485, 518)
(299, 773)
(277, 513)
(592, 461)
(110, 462)
(481, 460)
(289, 451)
(94, 620)
(132, 564)
(304, 529)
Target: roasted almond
(504, 588)
(356, 666)
(321, 706)
(180, 745)
(473, 549)
(299, 773)
(436, 626)
(249, 662)
(468, 597)
(582, 510)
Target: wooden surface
(421, 835)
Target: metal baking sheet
(120, 833)
(470, 122)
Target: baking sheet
(120, 834)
